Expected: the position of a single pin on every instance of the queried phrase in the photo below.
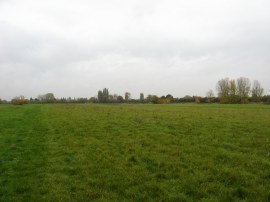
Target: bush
(266, 99)
(19, 100)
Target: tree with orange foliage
(20, 100)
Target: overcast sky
(76, 47)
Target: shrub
(20, 100)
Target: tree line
(228, 91)
(239, 90)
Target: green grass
(135, 152)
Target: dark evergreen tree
(100, 96)
(141, 97)
(103, 96)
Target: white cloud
(74, 48)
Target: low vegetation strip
(95, 152)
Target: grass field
(138, 152)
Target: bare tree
(257, 91)
(233, 97)
(223, 90)
(210, 95)
(115, 97)
(243, 89)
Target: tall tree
(47, 98)
(50, 97)
(141, 97)
(120, 99)
(105, 95)
(93, 100)
(243, 89)
(210, 95)
(223, 90)
(233, 97)
(127, 96)
(152, 99)
(100, 96)
(169, 98)
(257, 91)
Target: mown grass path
(134, 152)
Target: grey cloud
(76, 48)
